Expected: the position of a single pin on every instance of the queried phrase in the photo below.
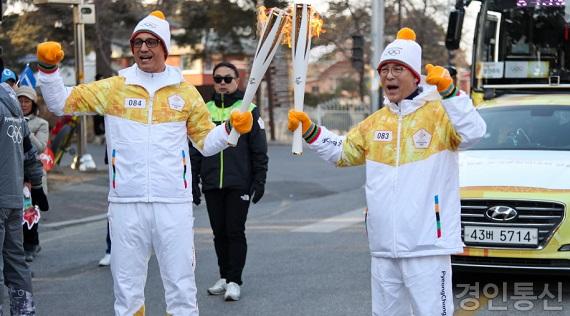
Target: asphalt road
(307, 253)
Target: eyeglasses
(396, 71)
(150, 42)
(226, 79)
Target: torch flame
(316, 23)
(262, 17)
(315, 18)
(287, 30)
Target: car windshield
(540, 127)
(523, 42)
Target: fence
(338, 115)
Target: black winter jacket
(234, 167)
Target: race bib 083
(383, 136)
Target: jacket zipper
(222, 152)
(150, 104)
(397, 173)
(398, 142)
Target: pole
(82, 161)
(399, 14)
(377, 47)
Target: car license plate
(501, 235)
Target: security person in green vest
(230, 180)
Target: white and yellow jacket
(148, 119)
(412, 177)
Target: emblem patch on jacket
(134, 103)
(422, 139)
(383, 136)
(176, 102)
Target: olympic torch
(269, 42)
(306, 24)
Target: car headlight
(564, 248)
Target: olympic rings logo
(149, 25)
(15, 133)
(394, 51)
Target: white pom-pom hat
(405, 51)
(155, 23)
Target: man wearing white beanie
(150, 111)
(409, 148)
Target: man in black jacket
(230, 180)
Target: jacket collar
(427, 94)
(170, 76)
(229, 99)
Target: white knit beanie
(155, 23)
(404, 50)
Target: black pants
(108, 239)
(31, 237)
(227, 209)
(99, 125)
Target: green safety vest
(223, 114)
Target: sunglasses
(226, 79)
(150, 42)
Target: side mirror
(454, 27)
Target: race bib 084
(135, 103)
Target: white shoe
(218, 288)
(232, 292)
(105, 261)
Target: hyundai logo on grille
(501, 213)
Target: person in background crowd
(18, 165)
(150, 111)
(9, 77)
(410, 148)
(106, 260)
(99, 129)
(230, 180)
(39, 133)
(99, 122)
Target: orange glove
(241, 121)
(439, 76)
(296, 117)
(49, 55)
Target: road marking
(83, 220)
(87, 187)
(332, 224)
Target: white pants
(420, 285)
(138, 228)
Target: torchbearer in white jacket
(410, 149)
(150, 111)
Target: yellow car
(515, 186)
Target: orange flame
(316, 22)
(262, 17)
(287, 30)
